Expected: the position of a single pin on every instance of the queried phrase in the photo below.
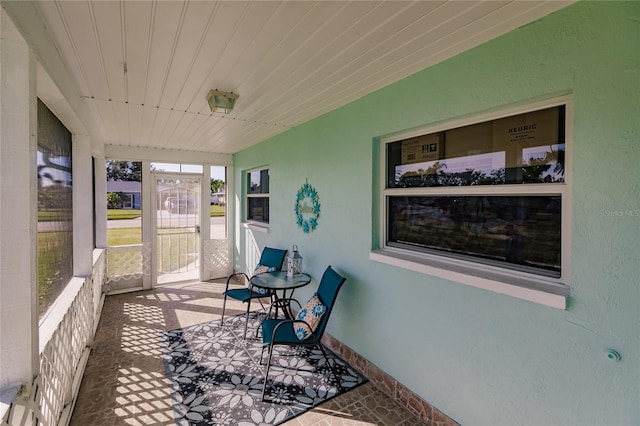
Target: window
(127, 201)
(488, 195)
(516, 232)
(55, 208)
(258, 196)
(177, 168)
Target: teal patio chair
(308, 327)
(270, 260)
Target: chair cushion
(241, 294)
(311, 313)
(260, 269)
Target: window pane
(525, 148)
(258, 182)
(258, 209)
(218, 200)
(176, 168)
(517, 232)
(55, 208)
(124, 196)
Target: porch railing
(126, 266)
(50, 399)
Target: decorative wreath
(307, 208)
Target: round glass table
(277, 281)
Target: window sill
(256, 226)
(553, 295)
(52, 319)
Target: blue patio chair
(308, 327)
(270, 260)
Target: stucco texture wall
(481, 357)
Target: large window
(489, 194)
(258, 196)
(55, 208)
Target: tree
(216, 184)
(124, 170)
(114, 200)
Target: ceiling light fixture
(224, 100)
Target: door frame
(153, 217)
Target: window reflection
(517, 232)
(526, 148)
(55, 207)
(258, 182)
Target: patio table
(279, 281)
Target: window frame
(252, 223)
(127, 202)
(550, 291)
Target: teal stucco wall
(478, 356)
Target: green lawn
(48, 215)
(217, 211)
(116, 214)
(54, 265)
(133, 235)
(124, 236)
(174, 251)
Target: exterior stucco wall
(481, 357)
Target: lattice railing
(128, 262)
(99, 278)
(61, 356)
(50, 399)
(217, 257)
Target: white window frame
(549, 291)
(127, 202)
(248, 223)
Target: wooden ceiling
(141, 70)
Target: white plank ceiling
(143, 68)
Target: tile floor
(125, 384)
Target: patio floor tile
(125, 383)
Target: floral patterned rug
(215, 376)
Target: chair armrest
(233, 275)
(292, 321)
(280, 324)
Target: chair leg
(246, 318)
(266, 376)
(224, 305)
(258, 327)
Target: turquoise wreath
(307, 225)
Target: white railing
(127, 266)
(127, 262)
(217, 257)
(51, 397)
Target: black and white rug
(215, 376)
